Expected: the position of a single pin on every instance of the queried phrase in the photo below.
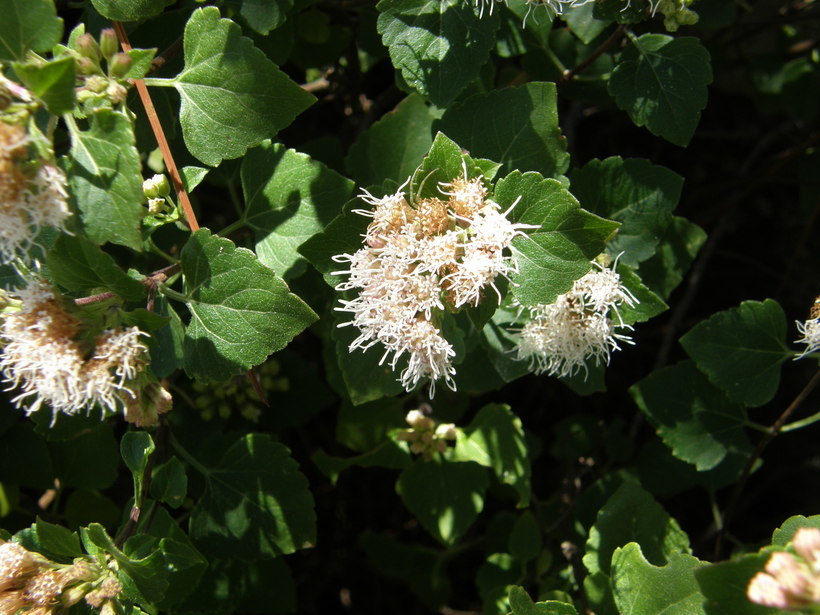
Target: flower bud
(414, 418)
(446, 431)
(86, 66)
(157, 206)
(88, 47)
(119, 65)
(74, 594)
(96, 84)
(156, 187)
(109, 44)
(807, 544)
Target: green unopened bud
(119, 65)
(71, 596)
(88, 47)
(96, 84)
(87, 67)
(109, 44)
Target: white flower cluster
(425, 436)
(792, 580)
(44, 361)
(419, 260)
(559, 338)
(556, 6)
(810, 330)
(27, 203)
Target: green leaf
(724, 586)
(233, 97)
(364, 427)
(289, 198)
(674, 255)
(444, 163)
(388, 454)
(28, 24)
(636, 193)
(695, 419)
(241, 312)
(522, 604)
(169, 483)
(393, 147)
(168, 354)
(661, 82)
(89, 460)
(52, 82)
(445, 497)
(496, 574)
(144, 579)
(515, 126)
(256, 503)
(785, 533)
(583, 22)
(648, 303)
(525, 538)
(79, 265)
(553, 256)
(133, 10)
(633, 515)
(58, 540)
(495, 439)
(105, 177)
(643, 589)
(263, 15)
(25, 458)
(438, 45)
(141, 60)
(136, 447)
(741, 350)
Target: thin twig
(156, 127)
(602, 48)
(774, 430)
(151, 282)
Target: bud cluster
(101, 88)
(810, 330)
(46, 360)
(560, 337)
(424, 436)
(792, 579)
(30, 583)
(32, 193)
(224, 399)
(420, 260)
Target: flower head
(29, 200)
(791, 581)
(425, 436)
(419, 260)
(810, 330)
(560, 337)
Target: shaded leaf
(133, 10)
(674, 255)
(724, 586)
(89, 461)
(661, 82)
(58, 540)
(169, 483)
(522, 604)
(741, 350)
(28, 24)
(263, 15)
(515, 126)
(52, 82)
(136, 447)
(389, 454)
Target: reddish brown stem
(156, 127)
(613, 38)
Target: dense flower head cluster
(32, 584)
(32, 194)
(425, 436)
(792, 579)
(419, 260)
(44, 360)
(810, 330)
(559, 338)
(556, 6)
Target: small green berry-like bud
(156, 187)
(87, 67)
(96, 84)
(88, 47)
(119, 65)
(109, 44)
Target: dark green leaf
(79, 265)
(133, 10)
(89, 460)
(389, 454)
(724, 586)
(515, 126)
(28, 24)
(25, 458)
(438, 45)
(393, 147)
(444, 163)
(364, 427)
(263, 15)
(495, 439)
(661, 82)
(256, 503)
(136, 447)
(233, 97)
(169, 483)
(553, 256)
(673, 257)
(52, 82)
(241, 311)
(648, 304)
(58, 540)
(445, 497)
(583, 22)
(636, 193)
(167, 355)
(105, 177)
(785, 533)
(633, 515)
(693, 418)
(741, 350)
(289, 198)
(643, 589)
(522, 604)
(525, 538)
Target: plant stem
(156, 127)
(774, 430)
(180, 450)
(602, 48)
